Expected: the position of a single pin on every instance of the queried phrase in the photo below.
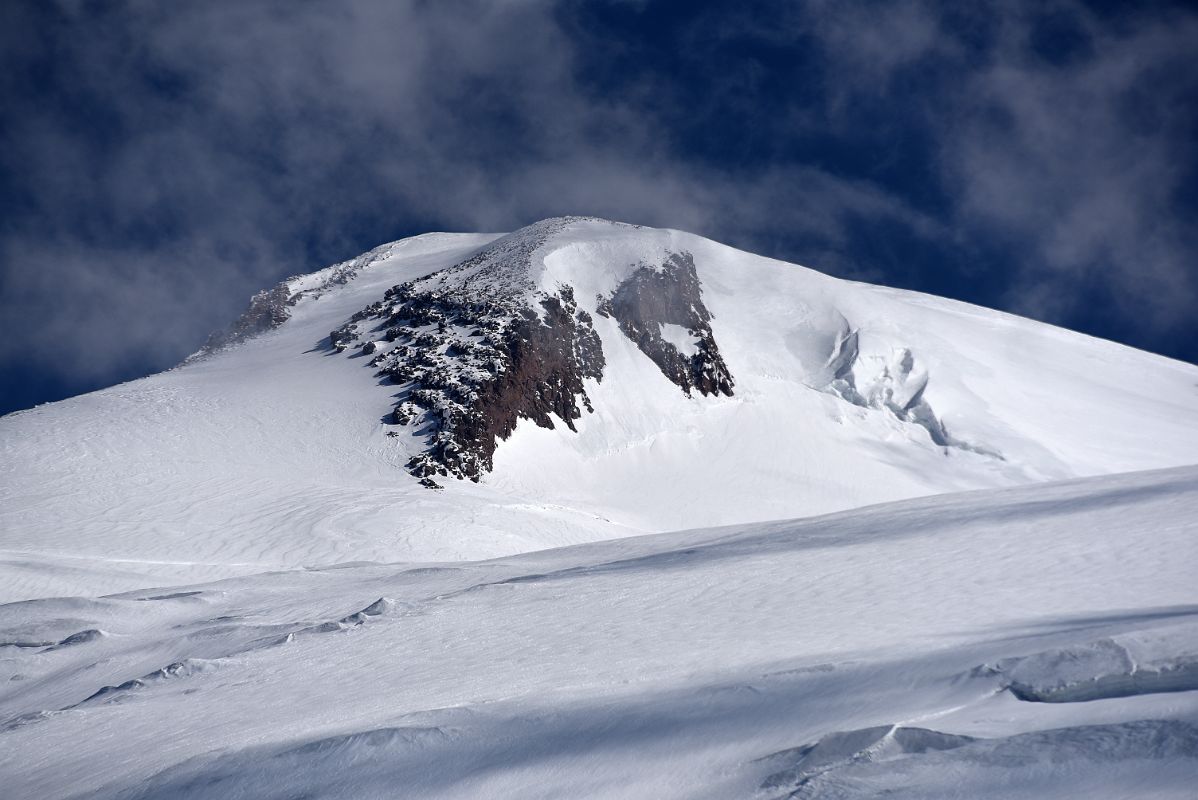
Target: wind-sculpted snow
(1082, 761)
(827, 657)
(1105, 668)
(811, 764)
(74, 639)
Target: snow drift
(874, 652)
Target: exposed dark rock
(478, 392)
(671, 295)
(344, 336)
(478, 346)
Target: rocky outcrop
(476, 348)
(661, 310)
(479, 346)
(477, 372)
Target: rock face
(479, 346)
(474, 370)
(662, 311)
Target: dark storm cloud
(163, 161)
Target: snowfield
(891, 648)
(922, 550)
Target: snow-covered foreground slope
(1030, 642)
(733, 389)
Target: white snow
(682, 339)
(1025, 401)
(221, 582)
(273, 454)
(692, 664)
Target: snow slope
(275, 453)
(1019, 643)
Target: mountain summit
(456, 396)
(488, 342)
(224, 543)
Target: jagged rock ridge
(478, 346)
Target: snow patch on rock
(685, 342)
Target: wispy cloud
(232, 140)
(1081, 154)
(165, 161)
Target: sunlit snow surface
(846, 655)
(275, 453)
(322, 626)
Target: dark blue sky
(160, 162)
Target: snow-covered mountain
(466, 396)
(959, 554)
